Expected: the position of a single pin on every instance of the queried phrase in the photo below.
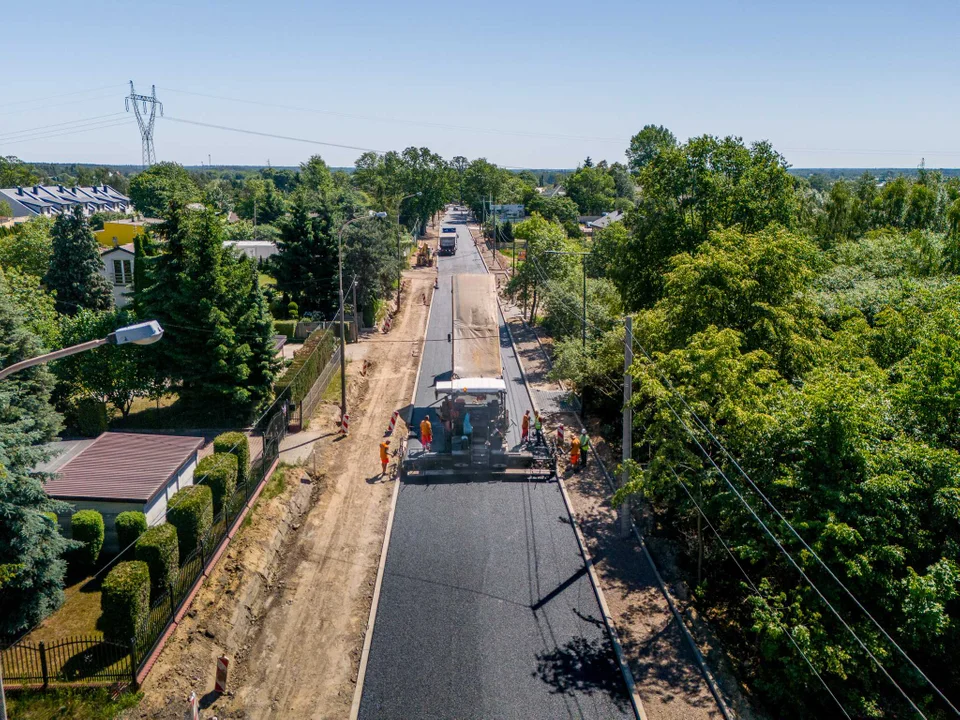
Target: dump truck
(448, 241)
(474, 422)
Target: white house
(125, 471)
(259, 250)
(118, 270)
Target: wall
(123, 232)
(109, 510)
(121, 293)
(156, 508)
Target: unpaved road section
(294, 618)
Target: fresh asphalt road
(486, 609)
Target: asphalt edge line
(382, 565)
(638, 709)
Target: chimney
(19, 190)
(116, 243)
(60, 188)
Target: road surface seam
(584, 552)
(381, 568)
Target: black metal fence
(90, 660)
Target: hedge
(313, 357)
(52, 517)
(129, 526)
(91, 417)
(286, 327)
(235, 443)
(87, 528)
(219, 473)
(124, 601)
(190, 511)
(159, 549)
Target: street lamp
(343, 335)
(145, 333)
(399, 236)
(583, 333)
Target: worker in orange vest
(574, 451)
(384, 456)
(426, 433)
(525, 427)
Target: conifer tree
(31, 547)
(256, 327)
(75, 272)
(306, 264)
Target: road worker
(426, 433)
(538, 428)
(574, 451)
(384, 456)
(525, 427)
(584, 444)
(560, 444)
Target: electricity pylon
(145, 120)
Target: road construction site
(485, 606)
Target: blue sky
(527, 84)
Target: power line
(271, 135)
(68, 122)
(59, 95)
(756, 591)
(69, 102)
(406, 121)
(780, 516)
(45, 136)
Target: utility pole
(145, 119)
(583, 320)
(356, 312)
(627, 421)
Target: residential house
(49, 200)
(121, 232)
(606, 220)
(118, 270)
(125, 471)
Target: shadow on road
(583, 666)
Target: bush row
(235, 443)
(312, 358)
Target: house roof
(126, 247)
(120, 467)
(607, 219)
(59, 197)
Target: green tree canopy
(152, 190)
(29, 247)
(75, 271)
(645, 145)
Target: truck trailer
(448, 241)
(471, 406)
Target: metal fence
(91, 660)
(306, 407)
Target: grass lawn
(68, 704)
(167, 414)
(275, 485)
(332, 393)
(77, 616)
(267, 280)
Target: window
(122, 272)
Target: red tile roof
(123, 466)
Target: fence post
(133, 662)
(173, 603)
(43, 665)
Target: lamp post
(583, 255)
(399, 235)
(343, 335)
(145, 333)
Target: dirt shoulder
(292, 617)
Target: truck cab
(448, 241)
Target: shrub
(286, 327)
(124, 601)
(52, 517)
(91, 417)
(293, 310)
(87, 528)
(219, 473)
(130, 525)
(190, 511)
(159, 549)
(235, 443)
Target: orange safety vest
(426, 429)
(525, 423)
(384, 452)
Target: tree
(110, 374)
(31, 547)
(75, 272)
(541, 266)
(646, 144)
(459, 165)
(624, 186)
(592, 189)
(14, 172)
(370, 257)
(305, 265)
(37, 305)
(29, 247)
(255, 327)
(315, 177)
(152, 190)
(5, 210)
(200, 292)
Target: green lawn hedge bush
(235, 443)
(87, 528)
(124, 601)
(286, 327)
(219, 473)
(92, 417)
(159, 549)
(129, 526)
(190, 511)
